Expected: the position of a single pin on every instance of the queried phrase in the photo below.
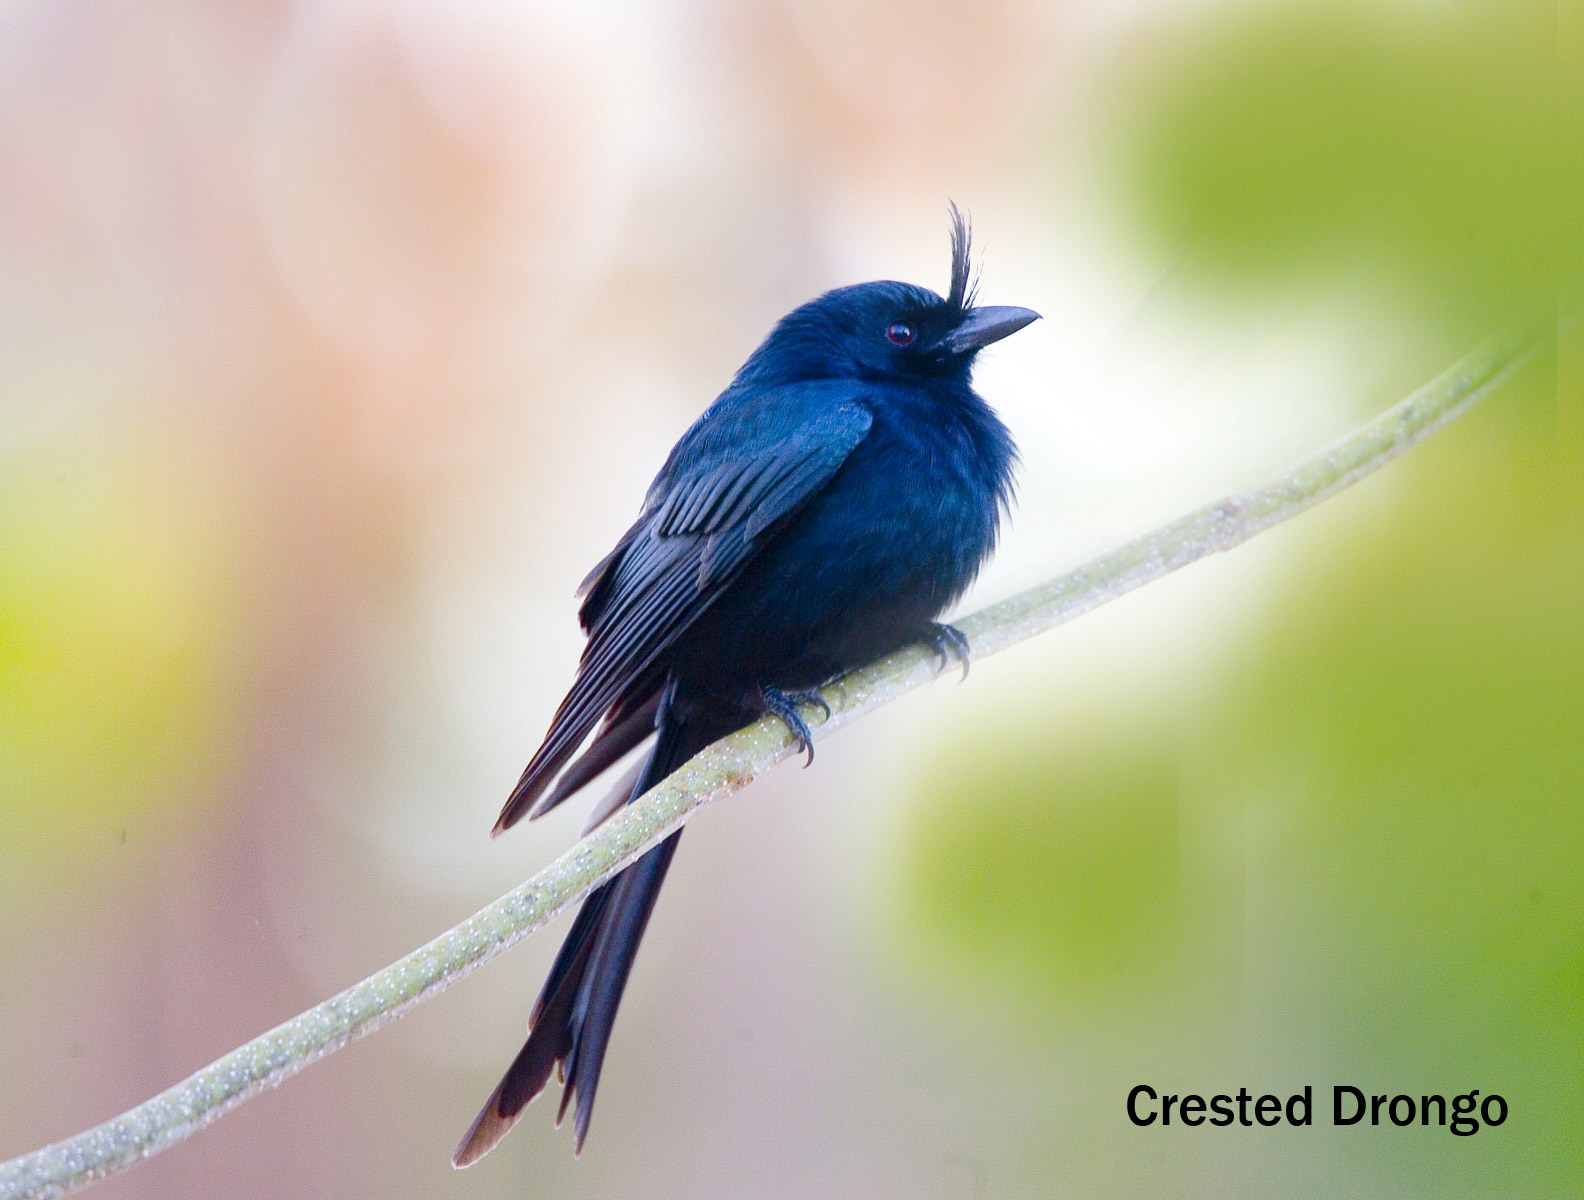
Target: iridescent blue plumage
(825, 510)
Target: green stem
(728, 765)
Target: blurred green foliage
(1402, 749)
(1399, 753)
(1438, 149)
(1417, 715)
(119, 645)
(1075, 900)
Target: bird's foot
(949, 643)
(785, 706)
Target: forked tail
(571, 1022)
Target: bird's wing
(736, 473)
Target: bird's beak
(991, 323)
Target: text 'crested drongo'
(823, 512)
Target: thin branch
(724, 768)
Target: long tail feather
(571, 1022)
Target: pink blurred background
(337, 340)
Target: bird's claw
(949, 643)
(784, 705)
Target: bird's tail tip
(485, 1133)
(514, 810)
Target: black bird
(823, 512)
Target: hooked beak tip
(986, 324)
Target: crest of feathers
(964, 278)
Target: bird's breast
(895, 537)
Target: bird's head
(887, 330)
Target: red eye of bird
(901, 334)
